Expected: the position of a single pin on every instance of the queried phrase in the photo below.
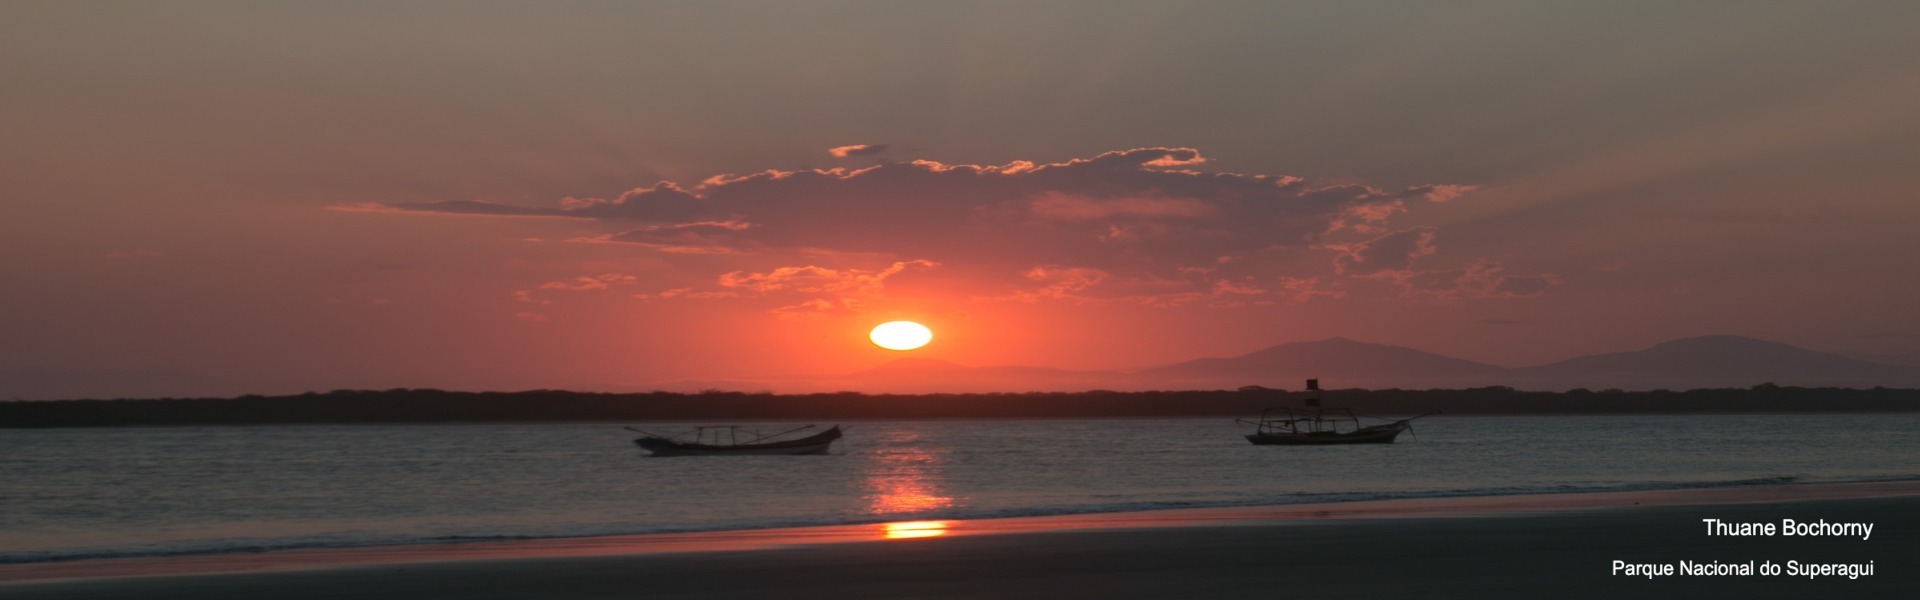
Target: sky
(210, 198)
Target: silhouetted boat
(725, 440)
(1319, 426)
(1313, 426)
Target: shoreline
(977, 523)
(424, 406)
(1148, 523)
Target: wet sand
(1529, 546)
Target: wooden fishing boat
(734, 440)
(1315, 426)
(1321, 426)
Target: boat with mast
(1313, 425)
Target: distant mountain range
(1700, 362)
(1718, 361)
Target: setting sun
(900, 335)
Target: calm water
(71, 493)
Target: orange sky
(230, 198)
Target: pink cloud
(687, 293)
(1442, 192)
(1393, 252)
(1366, 218)
(699, 237)
(823, 289)
(820, 307)
(812, 279)
(543, 294)
(1395, 257)
(936, 192)
(857, 150)
(1125, 225)
(1058, 283)
(1176, 159)
(1295, 290)
(582, 284)
(1483, 279)
(1079, 208)
(1223, 287)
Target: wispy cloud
(857, 150)
(1393, 252)
(825, 290)
(1399, 257)
(129, 254)
(583, 284)
(1480, 280)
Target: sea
(68, 494)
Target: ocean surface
(88, 493)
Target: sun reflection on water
(913, 529)
(906, 476)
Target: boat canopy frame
(1306, 420)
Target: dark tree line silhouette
(439, 406)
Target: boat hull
(1382, 434)
(817, 443)
(820, 448)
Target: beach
(1467, 547)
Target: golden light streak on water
(906, 478)
(913, 529)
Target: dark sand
(1507, 546)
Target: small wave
(1777, 480)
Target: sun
(900, 335)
